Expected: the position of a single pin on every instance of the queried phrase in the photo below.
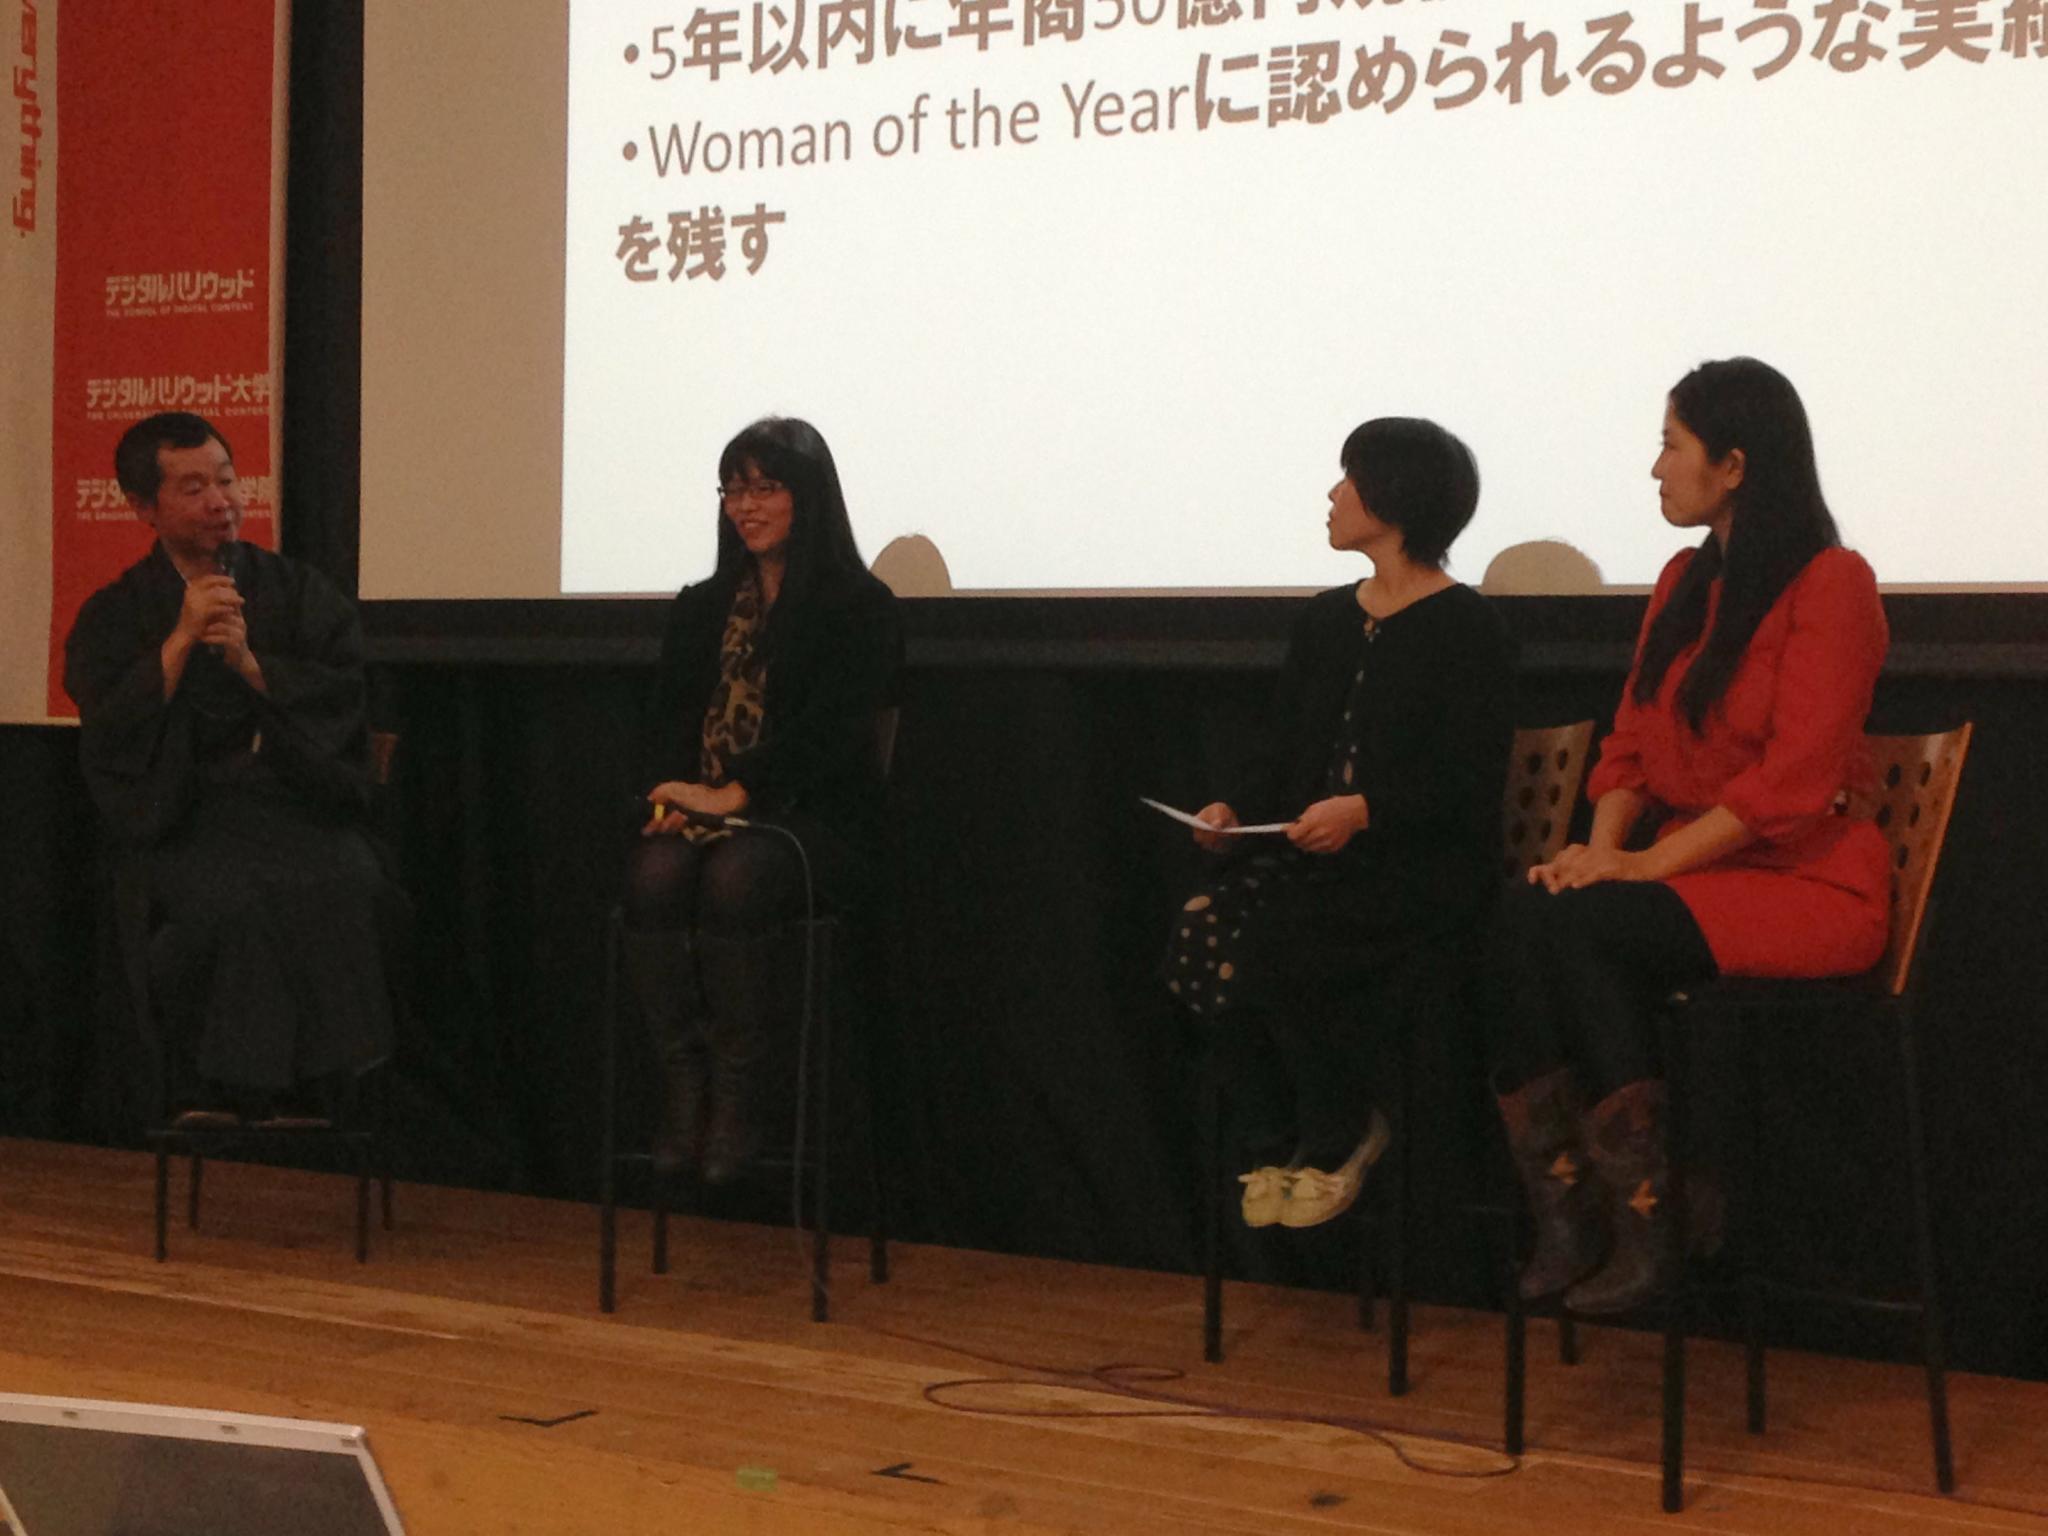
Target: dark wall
(1039, 1084)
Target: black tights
(738, 885)
(1575, 980)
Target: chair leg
(1212, 1218)
(1932, 1346)
(1752, 1183)
(1513, 1375)
(608, 1254)
(384, 1182)
(1567, 1340)
(1396, 1240)
(878, 1194)
(818, 976)
(1368, 1285)
(878, 1233)
(1674, 1407)
(163, 1201)
(608, 1128)
(363, 1210)
(195, 1174)
(1677, 1305)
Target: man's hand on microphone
(210, 614)
(209, 600)
(228, 637)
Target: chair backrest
(1544, 770)
(1916, 790)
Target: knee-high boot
(740, 991)
(1542, 1118)
(663, 971)
(1625, 1136)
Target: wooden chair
(358, 1143)
(1918, 779)
(1545, 767)
(821, 936)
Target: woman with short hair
(1384, 757)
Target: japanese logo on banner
(166, 202)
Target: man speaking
(220, 690)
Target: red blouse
(1811, 896)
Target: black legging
(738, 885)
(1575, 979)
(1298, 984)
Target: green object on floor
(757, 1479)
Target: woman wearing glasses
(1387, 745)
(774, 673)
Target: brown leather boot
(663, 973)
(741, 996)
(1542, 1120)
(1625, 1137)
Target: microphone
(224, 564)
(661, 813)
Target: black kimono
(237, 815)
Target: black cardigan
(832, 668)
(1433, 729)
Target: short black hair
(1417, 477)
(135, 462)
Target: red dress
(1811, 896)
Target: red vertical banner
(167, 219)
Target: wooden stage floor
(499, 1401)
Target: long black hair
(1779, 522)
(822, 552)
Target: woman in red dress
(1739, 729)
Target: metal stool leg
(1676, 1088)
(163, 1201)
(1932, 1348)
(1514, 1373)
(1752, 1287)
(362, 1205)
(1397, 1243)
(1212, 1216)
(818, 977)
(878, 1197)
(608, 1166)
(871, 1086)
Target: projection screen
(1087, 293)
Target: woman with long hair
(1738, 732)
(773, 673)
